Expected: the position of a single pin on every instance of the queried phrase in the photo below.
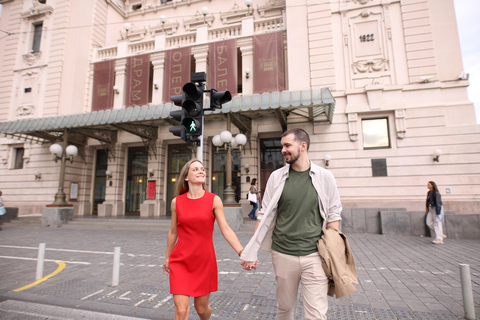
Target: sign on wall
(268, 62)
(103, 82)
(138, 79)
(177, 72)
(223, 66)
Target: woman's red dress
(193, 265)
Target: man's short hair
(299, 134)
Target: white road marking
(163, 301)
(50, 260)
(152, 296)
(53, 249)
(91, 295)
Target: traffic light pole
(200, 145)
(229, 193)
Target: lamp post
(225, 141)
(62, 153)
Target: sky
(468, 23)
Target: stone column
(120, 80)
(158, 59)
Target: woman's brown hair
(182, 185)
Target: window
(18, 152)
(375, 133)
(37, 36)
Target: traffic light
(217, 98)
(191, 115)
(193, 106)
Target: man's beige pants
(289, 271)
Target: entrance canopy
(312, 105)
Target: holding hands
(249, 265)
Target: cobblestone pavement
(400, 277)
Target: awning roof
(315, 104)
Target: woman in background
(435, 212)
(254, 195)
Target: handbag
(252, 197)
(2, 210)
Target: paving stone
(400, 277)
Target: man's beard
(293, 158)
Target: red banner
(268, 62)
(138, 80)
(223, 66)
(103, 82)
(177, 72)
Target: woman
(191, 263)
(435, 212)
(2, 207)
(255, 195)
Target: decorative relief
(134, 34)
(26, 110)
(235, 14)
(272, 8)
(198, 19)
(352, 126)
(400, 123)
(31, 58)
(374, 65)
(38, 9)
(359, 1)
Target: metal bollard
(116, 267)
(40, 261)
(467, 293)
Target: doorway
(178, 155)
(100, 180)
(136, 191)
(271, 159)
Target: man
(299, 200)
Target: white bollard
(467, 292)
(40, 261)
(116, 267)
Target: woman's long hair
(253, 181)
(434, 186)
(182, 185)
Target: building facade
(378, 84)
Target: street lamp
(58, 154)
(225, 141)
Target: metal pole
(467, 293)
(40, 261)
(60, 195)
(228, 193)
(116, 267)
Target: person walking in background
(254, 197)
(190, 262)
(435, 212)
(299, 200)
(2, 207)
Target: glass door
(178, 155)
(271, 159)
(136, 191)
(100, 180)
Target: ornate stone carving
(352, 126)
(26, 110)
(38, 9)
(400, 123)
(373, 65)
(31, 58)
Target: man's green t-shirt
(299, 225)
